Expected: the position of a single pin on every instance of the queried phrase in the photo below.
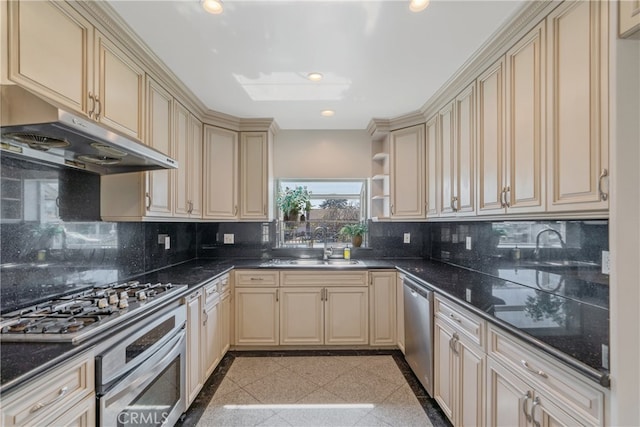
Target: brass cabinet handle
(527, 396)
(206, 317)
(235, 210)
(506, 191)
(148, 196)
(603, 175)
(453, 341)
(453, 204)
(391, 209)
(61, 393)
(525, 365)
(456, 318)
(536, 402)
(257, 278)
(93, 105)
(99, 107)
(277, 295)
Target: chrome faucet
(536, 252)
(325, 252)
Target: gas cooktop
(76, 317)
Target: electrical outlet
(467, 295)
(167, 243)
(407, 237)
(605, 262)
(605, 356)
(467, 243)
(228, 239)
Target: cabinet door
(224, 324)
(119, 84)
(211, 339)
(50, 51)
(577, 106)
(159, 130)
(406, 179)
(254, 175)
(195, 167)
(432, 168)
(491, 133)
(257, 316)
(629, 18)
(525, 142)
(546, 411)
(470, 403)
(346, 316)
(302, 316)
(194, 349)
(81, 415)
(180, 151)
(509, 398)
(220, 173)
(446, 145)
(382, 308)
(464, 162)
(444, 367)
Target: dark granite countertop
(569, 319)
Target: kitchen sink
(314, 263)
(559, 264)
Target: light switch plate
(407, 237)
(167, 243)
(228, 239)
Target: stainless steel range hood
(32, 128)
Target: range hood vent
(31, 128)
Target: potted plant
(355, 231)
(293, 201)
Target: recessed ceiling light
(327, 113)
(212, 6)
(314, 77)
(418, 5)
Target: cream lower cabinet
(526, 388)
(63, 396)
(382, 308)
(257, 308)
(459, 364)
(324, 309)
(194, 377)
(400, 311)
(211, 343)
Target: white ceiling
(378, 58)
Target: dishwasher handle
(418, 290)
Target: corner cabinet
(75, 65)
(578, 106)
(254, 175)
(220, 173)
(407, 175)
(187, 149)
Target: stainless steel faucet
(325, 252)
(536, 252)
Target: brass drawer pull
(525, 365)
(61, 393)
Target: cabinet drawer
(560, 381)
(211, 293)
(257, 278)
(325, 278)
(463, 321)
(51, 395)
(224, 284)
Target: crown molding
(378, 128)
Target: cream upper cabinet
(51, 52)
(220, 185)
(254, 175)
(134, 196)
(382, 308)
(456, 136)
(511, 131)
(432, 167)
(119, 86)
(187, 149)
(407, 177)
(629, 18)
(58, 54)
(577, 107)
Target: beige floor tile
(319, 370)
(386, 369)
(402, 409)
(246, 370)
(226, 386)
(223, 411)
(359, 386)
(282, 386)
(275, 421)
(371, 420)
(321, 396)
(331, 415)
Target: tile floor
(314, 388)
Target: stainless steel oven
(141, 372)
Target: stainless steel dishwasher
(418, 330)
